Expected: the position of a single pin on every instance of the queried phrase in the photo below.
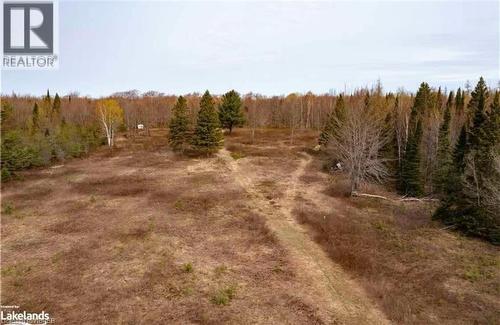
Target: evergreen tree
(207, 134)
(332, 120)
(444, 159)
(411, 181)
(423, 100)
(230, 114)
(459, 151)
(480, 162)
(56, 106)
(410, 174)
(46, 108)
(477, 107)
(493, 125)
(35, 117)
(439, 100)
(6, 116)
(459, 101)
(179, 126)
(449, 102)
(340, 109)
(47, 97)
(472, 202)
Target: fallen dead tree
(356, 194)
(402, 199)
(424, 199)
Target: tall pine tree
(207, 134)
(46, 106)
(472, 202)
(493, 127)
(333, 118)
(179, 136)
(444, 159)
(460, 151)
(410, 182)
(410, 174)
(230, 114)
(477, 108)
(56, 106)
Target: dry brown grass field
(257, 234)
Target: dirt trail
(339, 298)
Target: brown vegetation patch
(254, 226)
(255, 151)
(406, 266)
(302, 308)
(126, 185)
(35, 192)
(270, 189)
(75, 224)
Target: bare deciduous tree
(357, 143)
(491, 197)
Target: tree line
(446, 145)
(432, 142)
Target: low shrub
(188, 267)
(224, 296)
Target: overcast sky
(267, 47)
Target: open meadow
(259, 233)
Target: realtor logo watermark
(30, 35)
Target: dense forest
(432, 143)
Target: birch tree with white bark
(110, 115)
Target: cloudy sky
(267, 47)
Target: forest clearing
(258, 233)
(250, 162)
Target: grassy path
(339, 299)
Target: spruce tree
(477, 107)
(439, 100)
(444, 159)
(410, 174)
(207, 134)
(179, 126)
(423, 100)
(46, 108)
(449, 102)
(411, 179)
(6, 116)
(332, 120)
(475, 179)
(340, 109)
(35, 117)
(56, 106)
(480, 170)
(460, 151)
(47, 97)
(230, 114)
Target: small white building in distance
(140, 126)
